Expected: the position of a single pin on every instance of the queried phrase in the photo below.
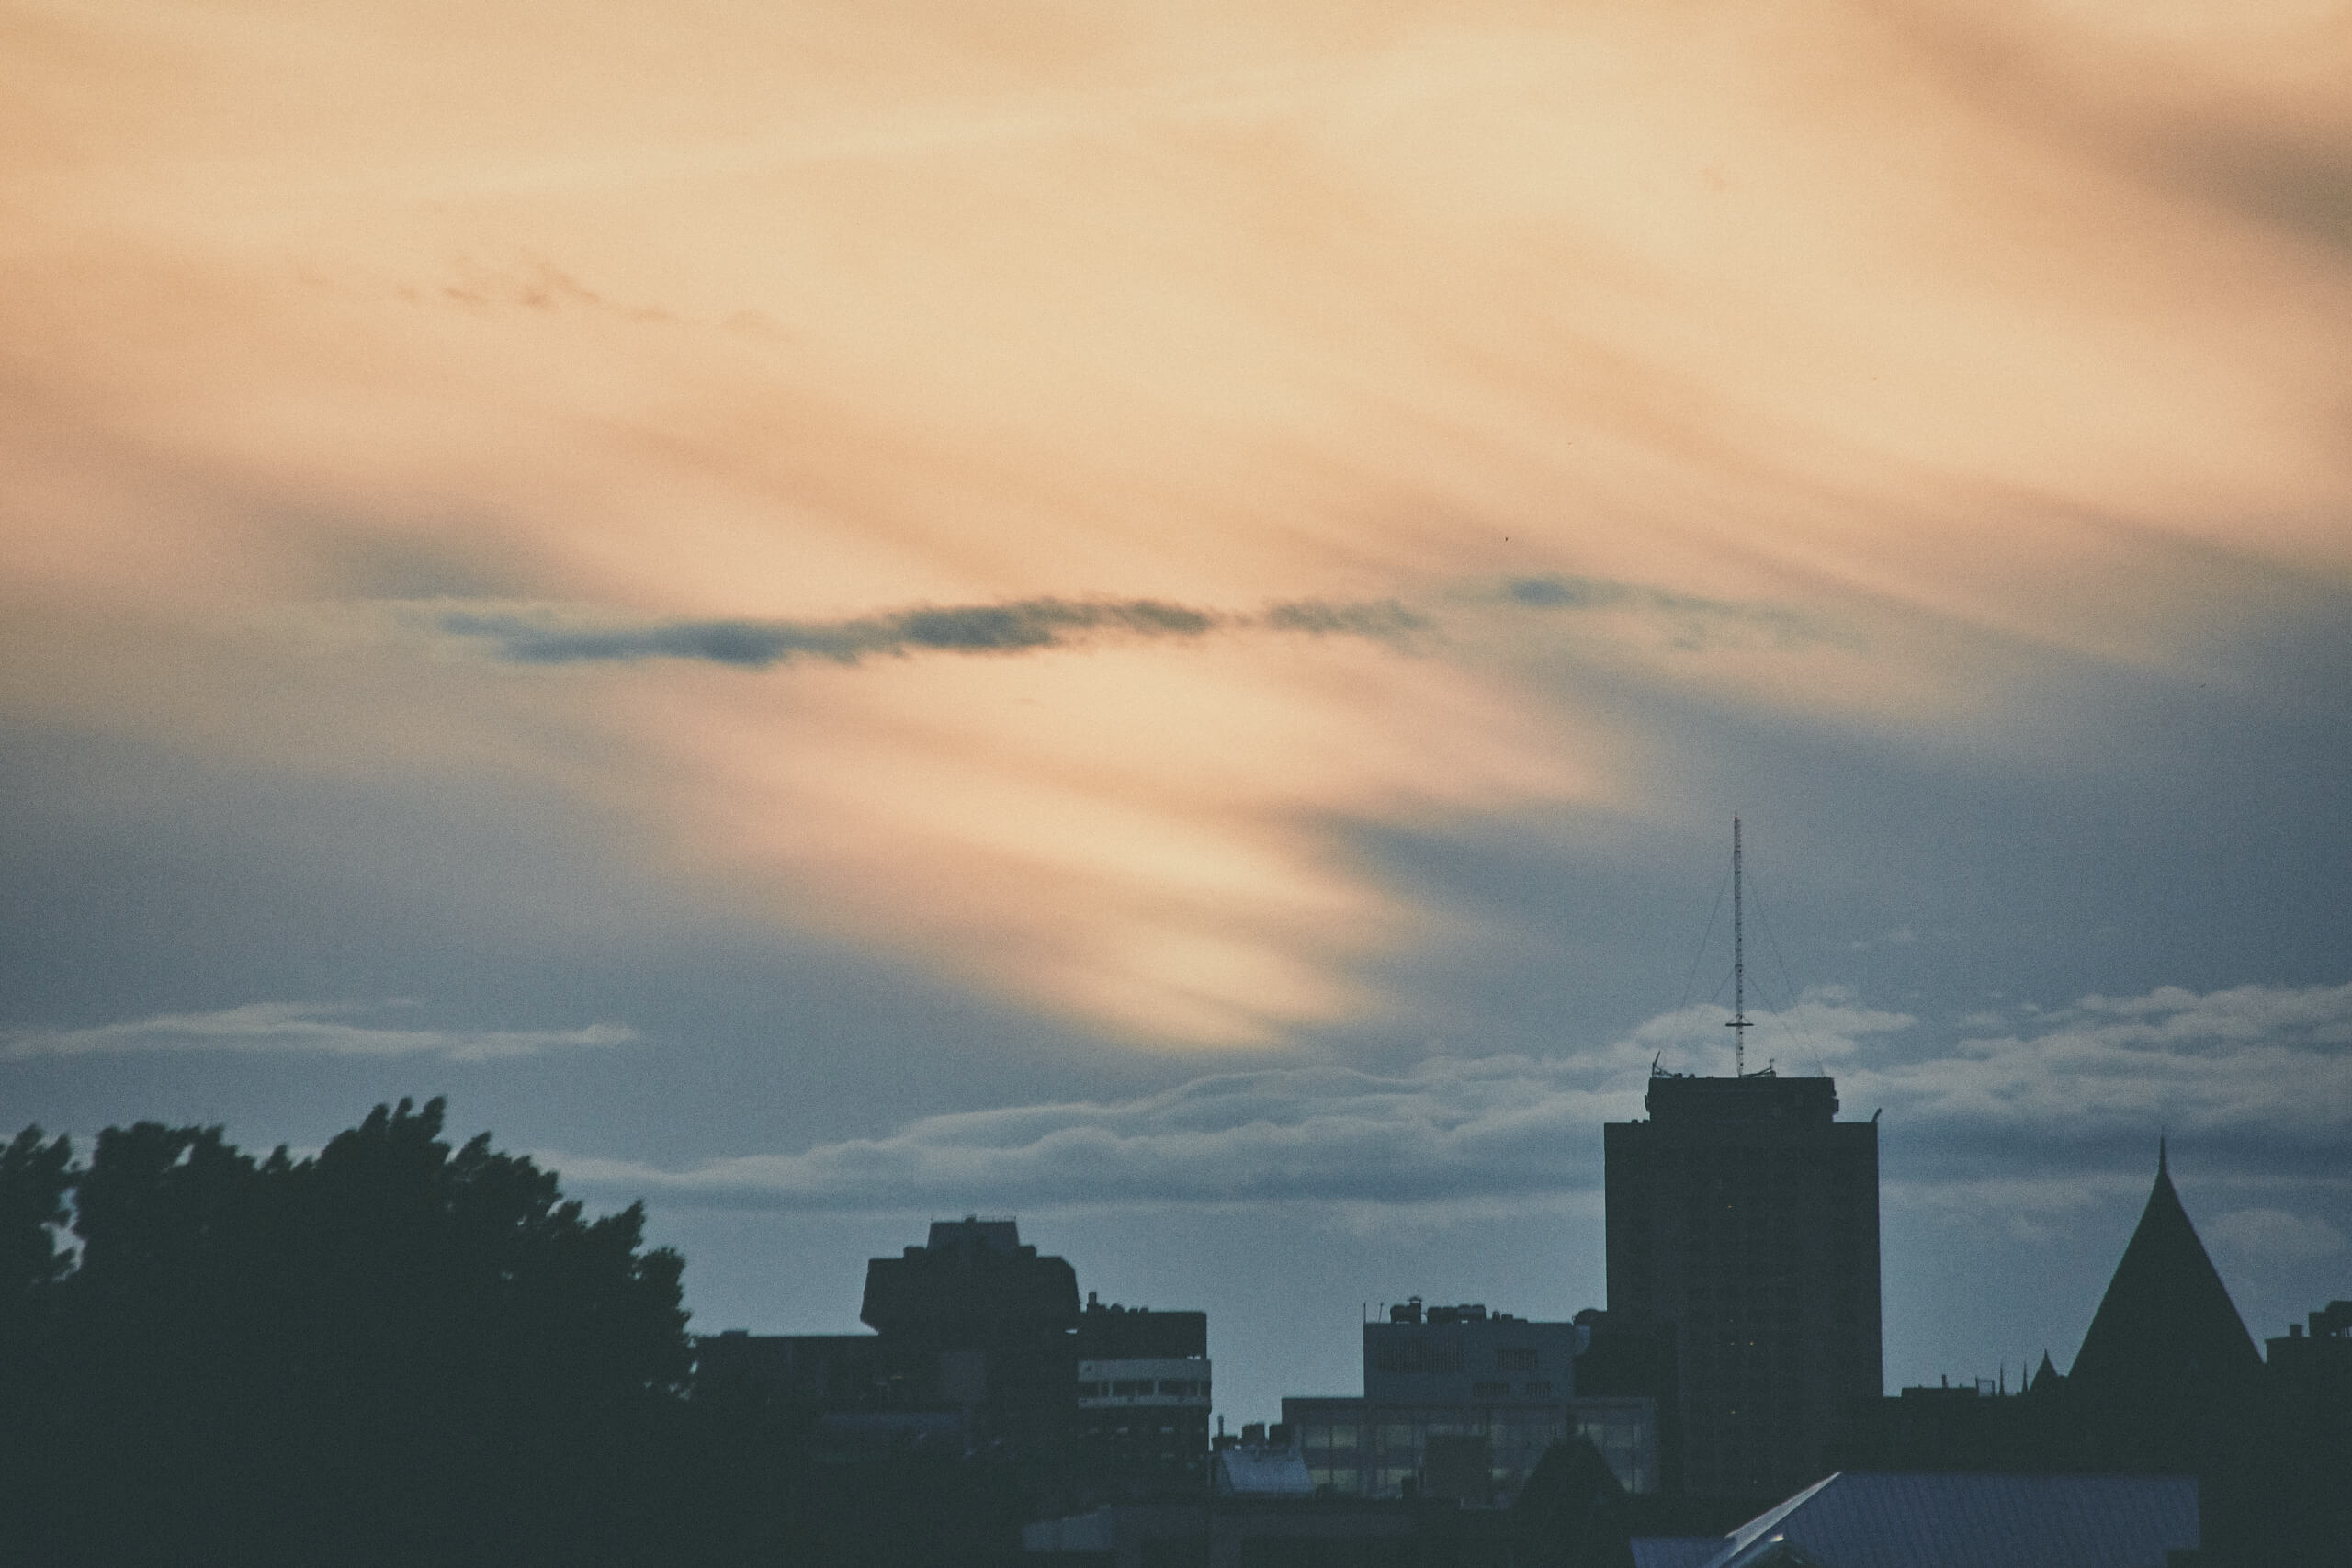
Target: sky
(1152, 618)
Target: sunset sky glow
(1154, 616)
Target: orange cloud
(1846, 346)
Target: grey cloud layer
(303, 1028)
(2257, 1058)
(1453, 1129)
(2254, 1063)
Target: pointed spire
(2166, 1315)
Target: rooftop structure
(1260, 1470)
(1463, 1355)
(971, 1281)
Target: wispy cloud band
(2236, 1068)
(302, 1028)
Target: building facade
(1743, 1213)
(1458, 1403)
(1142, 1428)
(976, 1322)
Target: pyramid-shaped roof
(2166, 1316)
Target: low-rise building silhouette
(1142, 1424)
(980, 1347)
(1458, 1402)
(2167, 1382)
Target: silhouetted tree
(390, 1352)
(394, 1354)
(36, 1175)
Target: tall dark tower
(1743, 1211)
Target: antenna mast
(1739, 1023)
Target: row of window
(1416, 1356)
(1626, 1447)
(1134, 1435)
(1143, 1388)
(1347, 1438)
(1389, 1480)
(1421, 1356)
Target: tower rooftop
(1677, 1099)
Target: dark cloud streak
(1694, 620)
(1021, 626)
(1042, 625)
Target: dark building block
(974, 1283)
(1142, 1428)
(1114, 1333)
(1743, 1212)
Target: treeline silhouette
(392, 1353)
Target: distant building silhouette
(1142, 1427)
(1743, 1212)
(2167, 1382)
(980, 1349)
(2167, 1379)
(2326, 1354)
(975, 1320)
(2307, 1417)
(1458, 1402)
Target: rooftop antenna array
(1739, 1023)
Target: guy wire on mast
(1739, 1023)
